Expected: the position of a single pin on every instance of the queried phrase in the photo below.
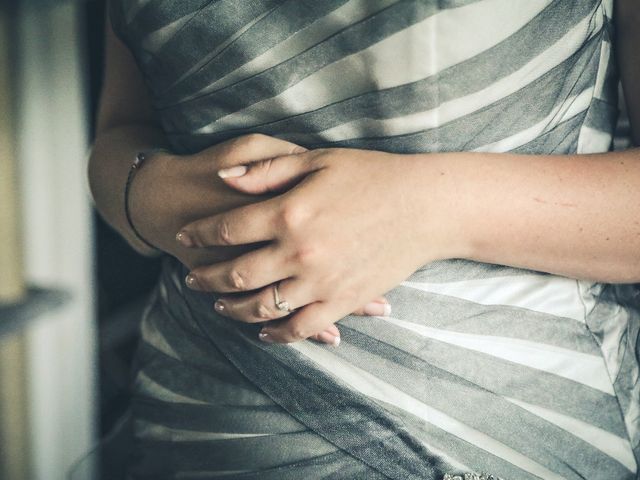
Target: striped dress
(481, 368)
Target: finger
(250, 271)
(330, 336)
(333, 330)
(253, 147)
(271, 175)
(327, 337)
(378, 307)
(249, 224)
(310, 320)
(262, 306)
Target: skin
(572, 215)
(314, 209)
(169, 190)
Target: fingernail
(328, 338)
(233, 172)
(377, 309)
(191, 281)
(184, 239)
(219, 307)
(299, 149)
(265, 337)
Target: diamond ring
(281, 304)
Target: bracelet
(135, 166)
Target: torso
(493, 368)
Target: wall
(52, 150)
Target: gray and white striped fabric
(480, 368)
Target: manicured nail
(184, 239)
(219, 307)
(233, 172)
(328, 338)
(265, 337)
(191, 281)
(377, 309)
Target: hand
(170, 191)
(347, 229)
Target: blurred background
(71, 291)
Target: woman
(451, 156)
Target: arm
(572, 215)
(577, 216)
(168, 190)
(125, 126)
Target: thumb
(271, 175)
(247, 149)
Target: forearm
(113, 153)
(574, 215)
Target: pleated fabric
(480, 368)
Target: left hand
(348, 231)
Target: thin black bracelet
(135, 166)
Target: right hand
(170, 191)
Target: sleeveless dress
(481, 369)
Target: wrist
(145, 205)
(441, 215)
(143, 244)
